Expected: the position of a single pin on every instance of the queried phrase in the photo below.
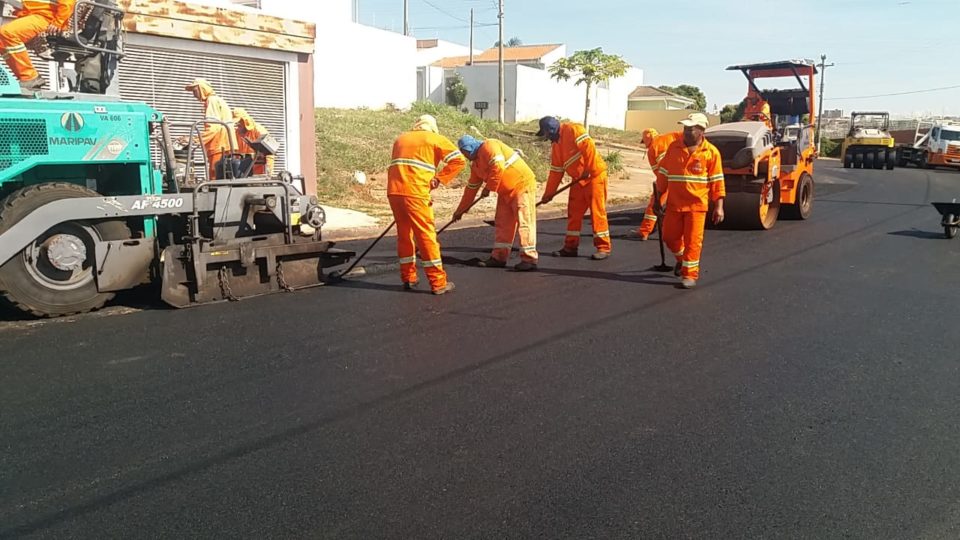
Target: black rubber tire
(848, 160)
(924, 164)
(25, 292)
(901, 161)
(804, 205)
(880, 159)
(858, 160)
(891, 158)
(868, 159)
(949, 231)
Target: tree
(512, 42)
(688, 91)
(732, 113)
(456, 90)
(590, 67)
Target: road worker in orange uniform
(217, 139)
(758, 110)
(422, 160)
(249, 129)
(508, 175)
(34, 18)
(656, 148)
(574, 153)
(691, 174)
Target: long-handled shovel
(338, 275)
(662, 267)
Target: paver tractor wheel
(891, 158)
(857, 160)
(868, 157)
(880, 158)
(753, 210)
(848, 159)
(54, 275)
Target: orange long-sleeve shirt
(418, 158)
(57, 11)
(501, 168)
(575, 154)
(691, 179)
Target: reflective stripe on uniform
(583, 137)
(649, 217)
(715, 178)
(451, 156)
(501, 245)
(506, 162)
(576, 157)
(603, 234)
(556, 169)
(528, 249)
(573, 233)
(408, 260)
(474, 186)
(687, 178)
(414, 163)
(691, 264)
(436, 263)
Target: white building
(530, 92)
(355, 65)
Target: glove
(434, 184)
(485, 193)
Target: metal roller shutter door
(157, 77)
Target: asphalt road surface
(808, 388)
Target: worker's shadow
(916, 233)
(646, 277)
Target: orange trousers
(683, 235)
(416, 231)
(12, 38)
(516, 214)
(593, 196)
(650, 217)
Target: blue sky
(877, 46)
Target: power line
(447, 13)
(901, 93)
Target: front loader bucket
(219, 273)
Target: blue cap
(549, 127)
(468, 146)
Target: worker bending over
(574, 153)
(249, 131)
(422, 160)
(505, 173)
(656, 148)
(691, 174)
(33, 19)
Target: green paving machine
(95, 197)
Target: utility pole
(823, 72)
(406, 17)
(502, 100)
(470, 63)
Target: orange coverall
(575, 154)
(249, 129)
(509, 176)
(418, 158)
(655, 152)
(215, 138)
(34, 19)
(690, 180)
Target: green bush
(830, 147)
(614, 161)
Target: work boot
(643, 237)
(524, 266)
(33, 85)
(411, 285)
(688, 283)
(600, 255)
(492, 263)
(564, 253)
(449, 287)
(676, 269)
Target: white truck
(936, 143)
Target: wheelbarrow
(951, 217)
